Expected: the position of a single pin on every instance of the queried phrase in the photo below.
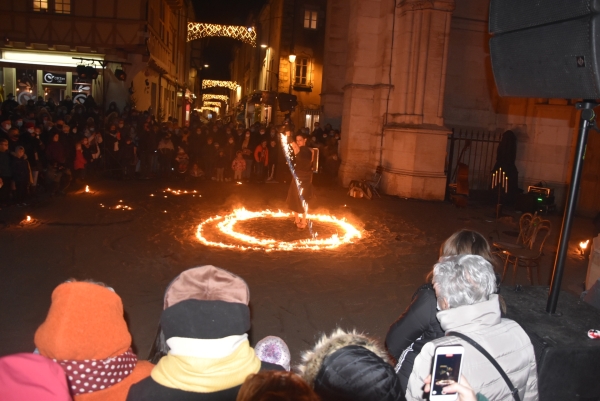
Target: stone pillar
(393, 116)
(414, 140)
(334, 63)
(365, 75)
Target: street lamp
(263, 46)
(292, 58)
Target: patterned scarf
(97, 374)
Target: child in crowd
(261, 157)
(182, 160)
(195, 171)
(238, 166)
(220, 165)
(21, 175)
(79, 163)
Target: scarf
(97, 374)
(207, 375)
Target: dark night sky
(217, 51)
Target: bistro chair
(528, 256)
(527, 225)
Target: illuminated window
(40, 5)
(310, 19)
(301, 71)
(62, 6)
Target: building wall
(280, 26)
(545, 128)
(441, 79)
(126, 35)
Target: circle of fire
(226, 224)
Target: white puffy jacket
(503, 339)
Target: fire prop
(226, 225)
(179, 192)
(287, 151)
(583, 245)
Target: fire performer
(303, 166)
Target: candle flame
(28, 218)
(87, 188)
(584, 244)
(226, 224)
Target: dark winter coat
(55, 153)
(5, 165)
(20, 169)
(149, 390)
(414, 328)
(348, 366)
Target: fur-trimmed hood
(327, 345)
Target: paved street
(295, 295)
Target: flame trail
(287, 151)
(226, 225)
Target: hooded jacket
(503, 339)
(85, 322)
(348, 366)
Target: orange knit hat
(85, 321)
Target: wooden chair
(527, 225)
(528, 256)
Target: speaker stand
(588, 117)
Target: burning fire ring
(226, 225)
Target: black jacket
(149, 390)
(417, 326)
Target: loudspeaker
(546, 49)
(568, 361)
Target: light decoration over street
(208, 108)
(226, 225)
(211, 96)
(199, 30)
(209, 83)
(209, 103)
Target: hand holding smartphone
(447, 364)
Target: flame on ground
(226, 225)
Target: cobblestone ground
(295, 295)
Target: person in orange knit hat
(86, 334)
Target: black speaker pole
(587, 118)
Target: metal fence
(476, 149)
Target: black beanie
(193, 318)
(353, 373)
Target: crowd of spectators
(202, 350)
(51, 148)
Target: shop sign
(54, 78)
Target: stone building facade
(284, 28)
(145, 38)
(399, 75)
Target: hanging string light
(216, 104)
(205, 108)
(209, 83)
(199, 30)
(210, 96)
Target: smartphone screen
(447, 371)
